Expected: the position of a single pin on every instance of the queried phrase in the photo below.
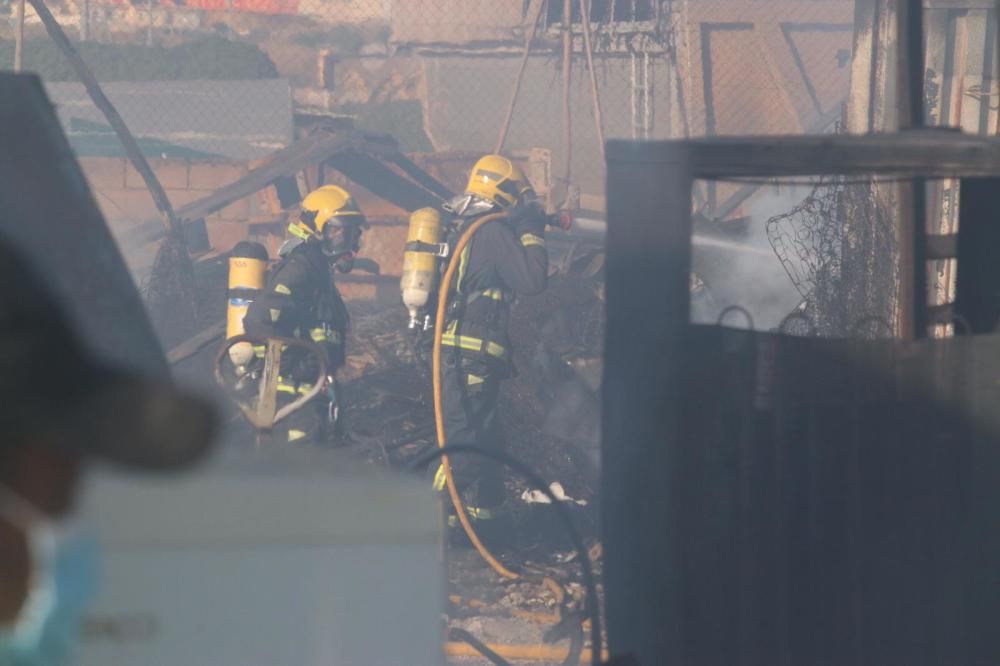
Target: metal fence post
(648, 303)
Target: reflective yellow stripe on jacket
(321, 334)
(529, 240)
(285, 386)
(469, 343)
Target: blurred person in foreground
(61, 409)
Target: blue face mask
(64, 573)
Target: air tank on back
(247, 274)
(420, 264)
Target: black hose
(574, 628)
(593, 606)
(457, 634)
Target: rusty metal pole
(566, 68)
(595, 95)
(528, 39)
(912, 235)
(19, 38)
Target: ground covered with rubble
(550, 411)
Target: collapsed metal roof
(374, 161)
(238, 120)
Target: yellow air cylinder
(420, 261)
(247, 272)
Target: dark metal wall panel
(977, 289)
(649, 261)
(824, 509)
(775, 500)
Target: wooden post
(267, 402)
(101, 101)
(19, 38)
(567, 66)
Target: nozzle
(562, 219)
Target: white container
(265, 570)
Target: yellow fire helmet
(329, 204)
(495, 178)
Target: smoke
(744, 271)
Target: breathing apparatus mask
(340, 238)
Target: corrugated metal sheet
(835, 500)
(237, 120)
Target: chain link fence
(235, 80)
(439, 74)
(838, 247)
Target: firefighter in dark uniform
(505, 258)
(300, 300)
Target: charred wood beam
(381, 181)
(300, 154)
(420, 176)
(358, 150)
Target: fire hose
(442, 305)
(456, 500)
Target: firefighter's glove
(345, 264)
(528, 218)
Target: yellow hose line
(550, 653)
(438, 412)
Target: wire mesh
(838, 247)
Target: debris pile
(176, 296)
(550, 409)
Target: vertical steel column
(648, 303)
(567, 113)
(913, 255)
